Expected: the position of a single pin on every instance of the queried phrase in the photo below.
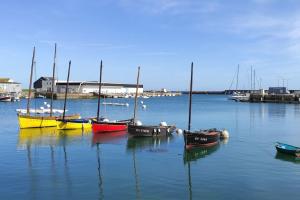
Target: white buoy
(42, 108)
(142, 102)
(105, 120)
(224, 134)
(45, 103)
(127, 104)
(144, 106)
(48, 105)
(179, 131)
(163, 124)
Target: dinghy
(288, 149)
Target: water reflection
(288, 158)
(106, 138)
(150, 143)
(36, 138)
(198, 153)
(192, 155)
(277, 110)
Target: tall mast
(99, 91)
(66, 92)
(53, 81)
(251, 81)
(254, 79)
(136, 94)
(30, 82)
(237, 78)
(190, 95)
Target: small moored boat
(68, 124)
(102, 125)
(200, 138)
(287, 149)
(138, 130)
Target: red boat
(102, 127)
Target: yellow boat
(74, 124)
(28, 121)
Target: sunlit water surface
(51, 164)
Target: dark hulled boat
(150, 131)
(138, 130)
(287, 149)
(199, 138)
(203, 138)
(104, 126)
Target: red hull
(108, 127)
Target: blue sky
(162, 36)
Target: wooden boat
(68, 124)
(138, 130)
(287, 149)
(150, 131)
(26, 120)
(199, 138)
(103, 126)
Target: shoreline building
(44, 85)
(9, 87)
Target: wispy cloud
(171, 6)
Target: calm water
(47, 164)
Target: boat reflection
(106, 138)
(42, 137)
(288, 158)
(198, 153)
(35, 138)
(151, 143)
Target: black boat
(138, 130)
(199, 138)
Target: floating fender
(224, 134)
(179, 131)
(138, 123)
(163, 124)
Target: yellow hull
(71, 125)
(27, 121)
(36, 122)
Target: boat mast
(30, 82)
(66, 92)
(99, 91)
(53, 81)
(190, 97)
(136, 93)
(237, 78)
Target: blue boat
(287, 149)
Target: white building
(44, 85)
(8, 86)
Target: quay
(145, 94)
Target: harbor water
(51, 164)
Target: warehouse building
(44, 84)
